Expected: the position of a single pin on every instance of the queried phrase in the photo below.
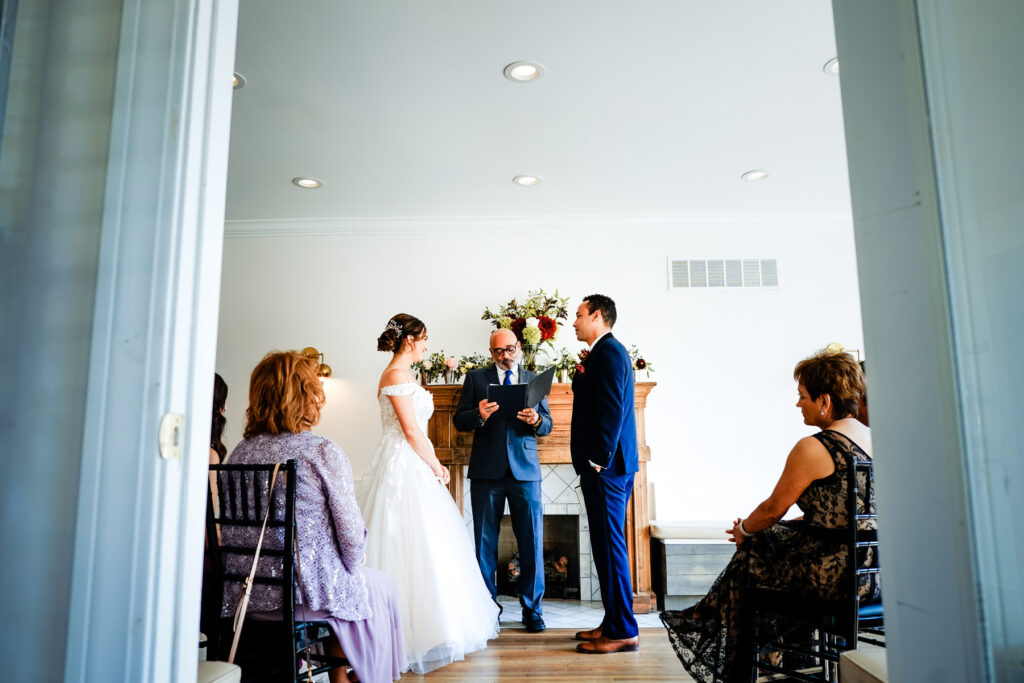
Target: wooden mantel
(453, 449)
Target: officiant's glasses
(508, 350)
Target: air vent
(723, 273)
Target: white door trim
(138, 540)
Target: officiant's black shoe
(534, 623)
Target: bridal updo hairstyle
(400, 326)
(835, 373)
(285, 394)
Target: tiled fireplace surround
(562, 496)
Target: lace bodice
(422, 403)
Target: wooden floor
(551, 656)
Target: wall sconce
(311, 352)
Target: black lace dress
(801, 557)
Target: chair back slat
(243, 494)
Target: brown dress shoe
(592, 634)
(606, 646)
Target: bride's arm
(413, 434)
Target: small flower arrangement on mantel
(436, 366)
(565, 365)
(639, 364)
(534, 321)
(471, 362)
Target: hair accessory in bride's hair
(392, 325)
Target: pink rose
(580, 369)
(451, 363)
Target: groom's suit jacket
(603, 422)
(500, 443)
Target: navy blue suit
(504, 465)
(604, 432)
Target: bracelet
(743, 531)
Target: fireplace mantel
(453, 449)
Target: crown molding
(400, 225)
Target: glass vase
(530, 357)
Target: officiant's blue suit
(503, 464)
(604, 433)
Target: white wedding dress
(417, 535)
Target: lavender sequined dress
(360, 604)
(417, 535)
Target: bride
(415, 531)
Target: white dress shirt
(514, 378)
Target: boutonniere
(580, 369)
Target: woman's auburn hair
(285, 394)
(835, 373)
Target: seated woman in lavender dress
(360, 604)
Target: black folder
(511, 398)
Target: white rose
(532, 322)
(427, 365)
(470, 366)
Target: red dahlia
(548, 327)
(517, 327)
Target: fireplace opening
(561, 557)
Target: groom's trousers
(606, 496)
(526, 508)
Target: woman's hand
(735, 535)
(442, 474)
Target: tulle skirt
(417, 535)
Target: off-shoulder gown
(417, 535)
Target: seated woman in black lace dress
(801, 556)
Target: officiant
(504, 466)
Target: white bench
(686, 558)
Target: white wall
(722, 418)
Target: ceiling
(654, 107)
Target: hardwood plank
(551, 657)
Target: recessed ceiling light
(523, 72)
(238, 82)
(526, 180)
(755, 175)
(307, 183)
(831, 67)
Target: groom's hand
(487, 408)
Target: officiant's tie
(508, 377)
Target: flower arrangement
(565, 364)
(639, 364)
(434, 366)
(534, 321)
(471, 362)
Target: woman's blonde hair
(835, 373)
(285, 394)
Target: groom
(504, 465)
(604, 454)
